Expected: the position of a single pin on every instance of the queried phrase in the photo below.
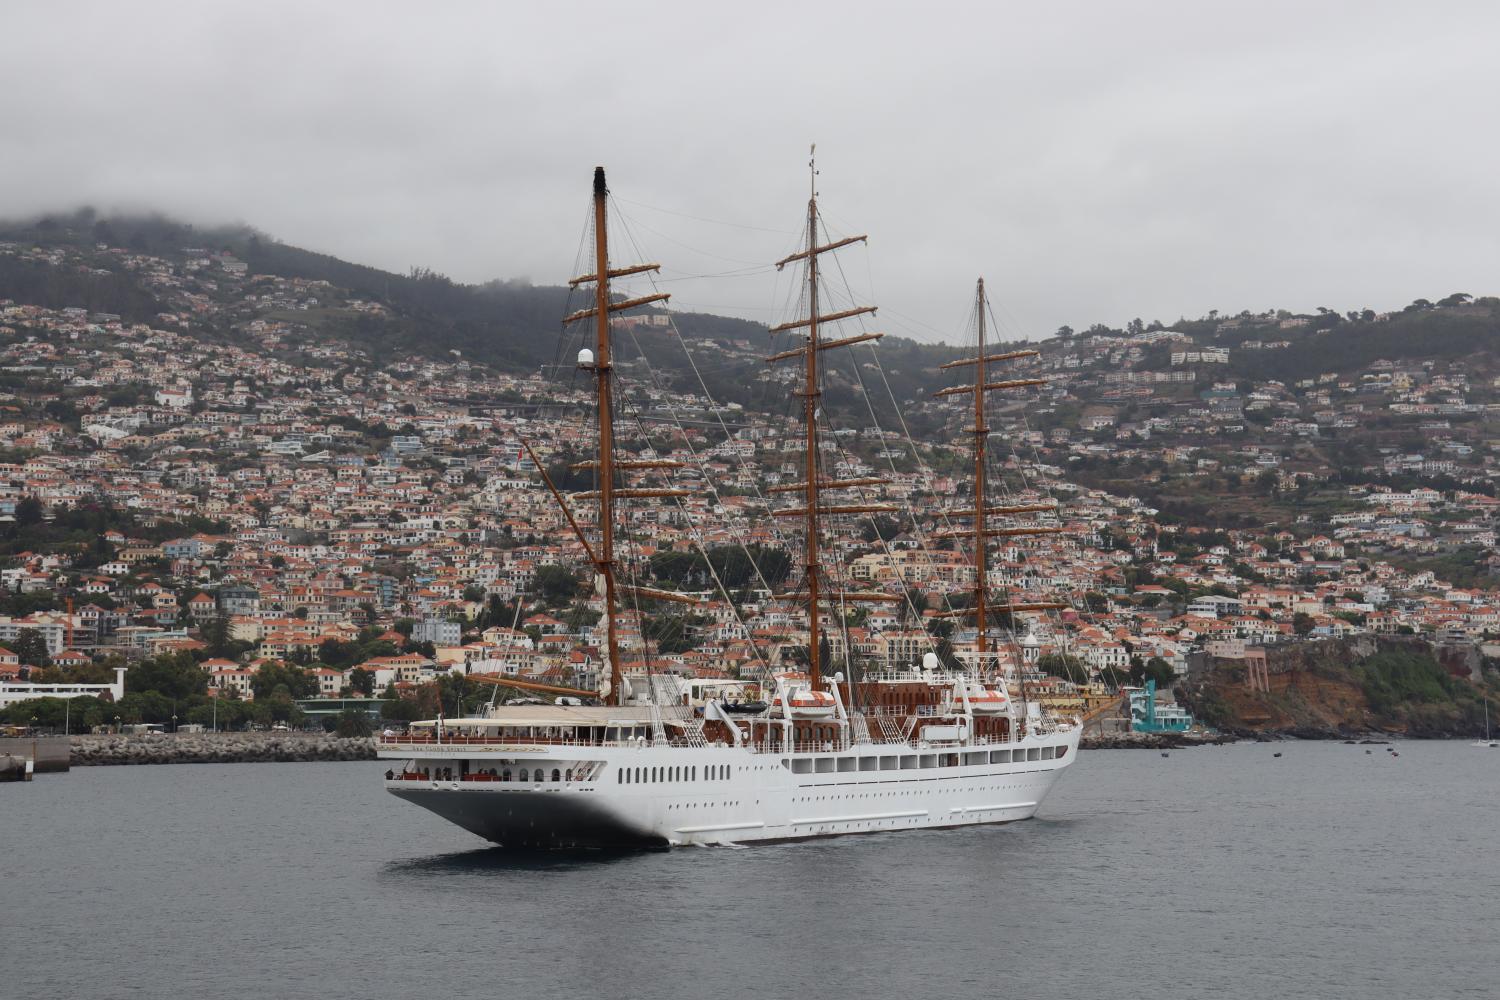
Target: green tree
(283, 707)
(175, 676)
(296, 682)
(145, 706)
(216, 635)
(400, 710)
(352, 723)
(28, 512)
(1159, 670)
(1068, 667)
(362, 681)
(555, 585)
(30, 648)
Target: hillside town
(221, 481)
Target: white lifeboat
(802, 701)
(987, 701)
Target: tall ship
(947, 738)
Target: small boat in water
(1487, 741)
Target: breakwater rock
(217, 748)
(1150, 741)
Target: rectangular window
(999, 756)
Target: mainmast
(810, 393)
(981, 437)
(813, 485)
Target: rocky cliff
(1389, 685)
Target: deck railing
(422, 741)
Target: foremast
(813, 483)
(601, 365)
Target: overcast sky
(1094, 161)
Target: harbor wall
(217, 748)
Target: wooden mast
(603, 558)
(812, 487)
(980, 530)
(981, 436)
(605, 561)
(810, 415)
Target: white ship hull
(650, 796)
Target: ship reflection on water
(502, 860)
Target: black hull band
(532, 820)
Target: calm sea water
(1215, 872)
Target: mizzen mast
(980, 531)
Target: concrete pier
(48, 754)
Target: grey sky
(1095, 161)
